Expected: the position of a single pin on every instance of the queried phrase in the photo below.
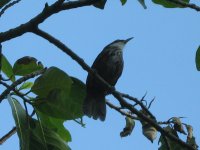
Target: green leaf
(56, 125)
(63, 106)
(76, 97)
(172, 144)
(123, 2)
(168, 4)
(59, 95)
(192, 142)
(26, 65)
(3, 2)
(142, 2)
(7, 68)
(198, 59)
(26, 85)
(101, 4)
(20, 117)
(52, 79)
(52, 139)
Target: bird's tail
(95, 106)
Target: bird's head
(119, 44)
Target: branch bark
(19, 81)
(115, 93)
(8, 6)
(32, 26)
(46, 13)
(8, 135)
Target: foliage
(169, 4)
(198, 59)
(57, 97)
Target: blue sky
(160, 60)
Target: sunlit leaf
(59, 95)
(52, 79)
(26, 65)
(7, 68)
(56, 125)
(26, 85)
(20, 117)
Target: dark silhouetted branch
(139, 103)
(16, 92)
(8, 135)
(46, 13)
(8, 6)
(115, 93)
(121, 111)
(19, 81)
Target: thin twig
(140, 103)
(16, 92)
(151, 103)
(120, 111)
(8, 6)
(8, 135)
(79, 122)
(115, 93)
(19, 81)
(164, 122)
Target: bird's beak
(126, 41)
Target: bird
(109, 65)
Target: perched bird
(109, 65)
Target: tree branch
(8, 135)
(58, 6)
(120, 111)
(8, 6)
(47, 12)
(184, 4)
(140, 103)
(16, 91)
(19, 81)
(115, 93)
